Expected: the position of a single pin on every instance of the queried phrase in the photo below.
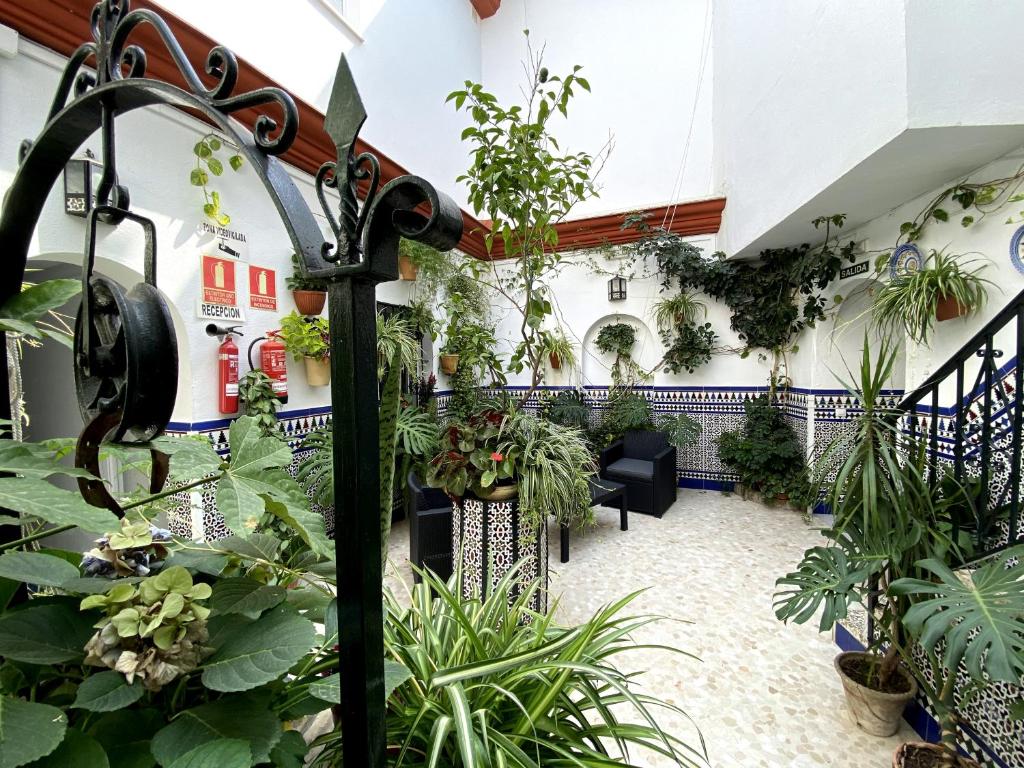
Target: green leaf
(222, 753)
(198, 178)
(214, 143)
(32, 496)
(824, 577)
(76, 751)
(966, 221)
(125, 735)
(97, 585)
(36, 300)
(290, 751)
(36, 568)
(202, 149)
(216, 166)
(25, 460)
(327, 689)
(191, 458)
(28, 731)
(253, 653)
(978, 619)
(940, 214)
(245, 596)
(107, 691)
(45, 634)
(292, 508)
(247, 718)
(236, 162)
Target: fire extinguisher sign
(219, 281)
(262, 288)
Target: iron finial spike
(345, 116)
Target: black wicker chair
(430, 528)
(646, 464)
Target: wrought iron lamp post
(366, 253)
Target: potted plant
(892, 527)
(309, 293)
(256, 391)
(509, 472)
(560, 350)
(414, 256)
(944, 287)
(307, 339)
(765, 454)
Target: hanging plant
(690, 348)
(616, 339)
(208, 163)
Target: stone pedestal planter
(491, 537)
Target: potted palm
(307, 339)
(309, 293)
(891, 528)
(945, 287)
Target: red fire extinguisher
(227, 372)
(273, 362)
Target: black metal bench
(601, 492)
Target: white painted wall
(802, 92)
(155, 157)
(411, 54)
(642, 60)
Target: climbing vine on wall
(772, 299)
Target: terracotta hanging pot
(919, 754)
(318, 371)
(949, 308)
(449, 364)
(406, 268)
(556, 361)
(310, 302)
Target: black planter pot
(492, 536)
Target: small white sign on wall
(207, 311)
(222, 242)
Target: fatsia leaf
(977, 618)
(247, 718)
(28, 731)
(32, 496)
(50, 633)
(37, 568)
(252, 451)
(191, 458)
(222, 753)
(107, 691)
(824, 577)
(30, 462)
(252, 653)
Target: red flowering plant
(470, 459)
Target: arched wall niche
(596, 367)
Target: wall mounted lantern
(617, 289)
(81, 179)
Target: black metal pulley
(126, 353)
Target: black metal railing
(976, 440)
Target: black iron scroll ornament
(119, 330)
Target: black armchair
(646, 464)
(430, 528)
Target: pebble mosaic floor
(763, 695)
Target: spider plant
(681, 309)
(912, 300)
(395, 337)
(560, 349)
(492, 683)
(552, 464)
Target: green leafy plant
(525, 183)
(316, 469)
(296, 281)
(206, 657)
(256, 392)
(624, 411)
(208, 161)
(32, 311)
(558, 347)
(491, 683)
(682, 430)
(680, 309)
(569, 408)
(618, 339)
(689, 347)
(467, 452)
(766, 453)
(910, 300)
(305, 336)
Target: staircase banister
(969, 348)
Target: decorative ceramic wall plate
(906, 258)
(1016, 244)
